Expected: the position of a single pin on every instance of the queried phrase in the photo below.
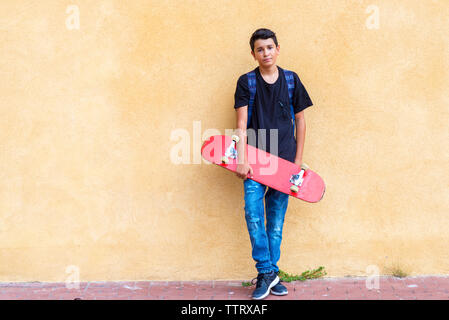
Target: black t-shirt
(271, 110)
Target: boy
(270, 109)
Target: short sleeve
(301, 99)
(241, 95)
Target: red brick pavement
(390, 288)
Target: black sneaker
(279, 289)
(265, 281)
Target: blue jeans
(266, 243)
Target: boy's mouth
(266, 60)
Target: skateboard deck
(268, 169)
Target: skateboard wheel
(305, 167)
(235, 138)
(294, 188)
(225, 160)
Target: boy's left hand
(298, 162)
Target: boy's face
(265, 52)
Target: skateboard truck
(297, 179)
(231, 151)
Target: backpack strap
(291, 88)
(252, 92)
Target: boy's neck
(268, 71)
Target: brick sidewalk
(390, 288)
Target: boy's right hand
(242, 171)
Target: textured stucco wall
(87, 116)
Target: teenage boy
(263, 102)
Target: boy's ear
(252, 53)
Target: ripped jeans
(265, 242)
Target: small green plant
(306, 275)
(398, 272)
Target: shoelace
(260, 278)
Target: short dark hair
(262, 34)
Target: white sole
(279, 294)
(275, 282)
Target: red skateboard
(268, 169)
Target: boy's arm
(242, 119)
(300, 136)
(243, 168)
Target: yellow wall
(89, 120)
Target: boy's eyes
(259, 50)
